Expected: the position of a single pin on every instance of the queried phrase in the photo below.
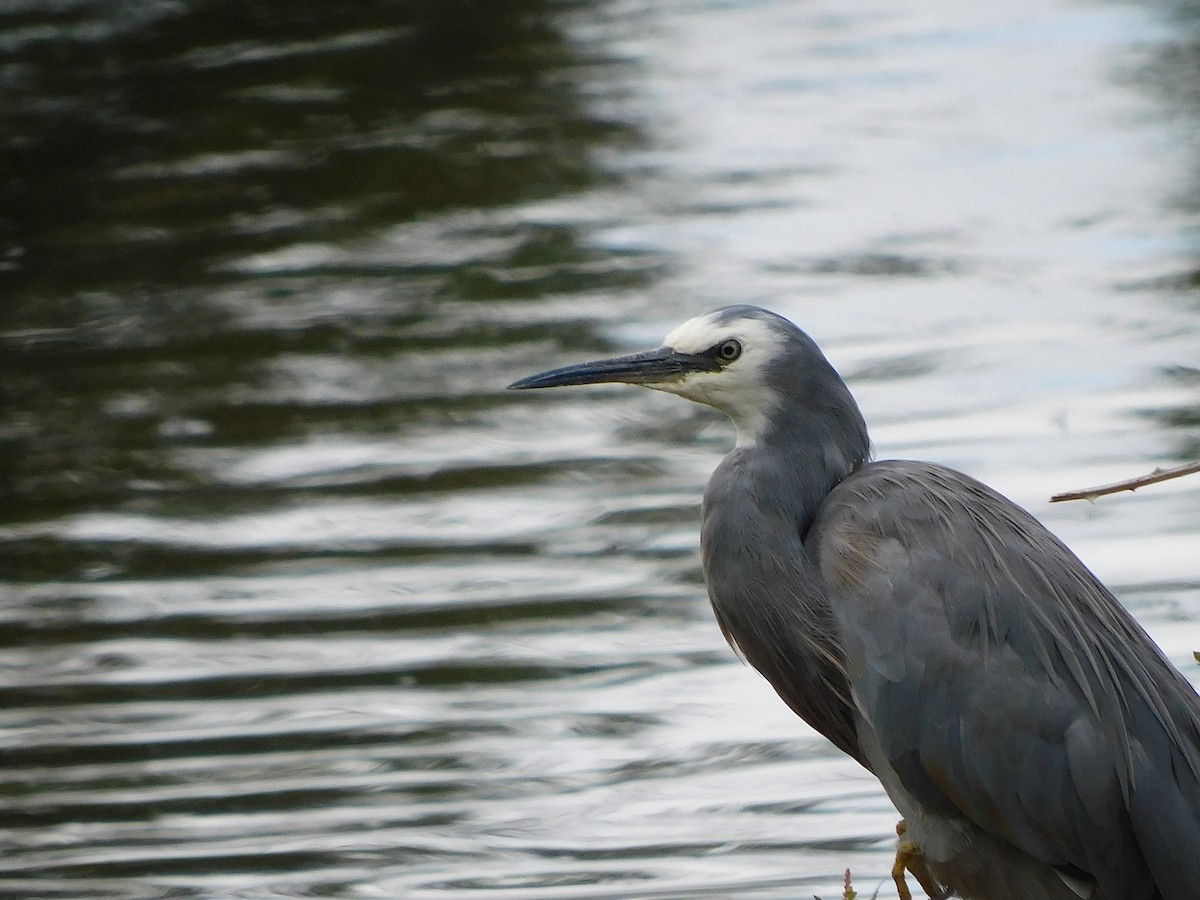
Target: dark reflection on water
(230, 233)
(155, 151)
(154, 141)
(1174, 73)
(297, 601)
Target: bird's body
(1036, 741)
(988, 738)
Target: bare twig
(1129, 484)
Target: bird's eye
(729, 350)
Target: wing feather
(1003, 681)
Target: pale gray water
(297, 601)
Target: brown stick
(1129, 484)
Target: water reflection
(298, 601)
(1173, 73)
(223, 264)
(152, 141)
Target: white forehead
(699, 334)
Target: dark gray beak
(650, 366)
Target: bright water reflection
(298, 602)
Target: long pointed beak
(648, 367)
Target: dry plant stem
(1130, 484)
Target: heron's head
(738, 359)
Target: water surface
(298, 601)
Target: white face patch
(739, 389)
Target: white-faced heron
(1036, 741)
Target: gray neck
(809, 448)
(769, 598)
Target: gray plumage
(1035, 739)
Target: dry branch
(1129, 484)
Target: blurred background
(296, 600)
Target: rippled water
(297, 601)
